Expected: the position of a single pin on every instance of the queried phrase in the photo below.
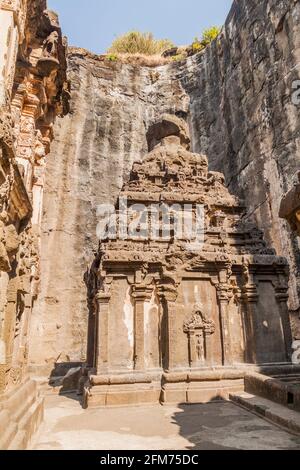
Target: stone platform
(192, 387)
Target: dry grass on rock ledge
(134, 59)
(139, 59)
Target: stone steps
(21, 412)
(277, 414)
(9, 431)
(28, 426)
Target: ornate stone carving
(156, 274)
(198, 328)
(6, 134)
(199, 321)
(50, 45)
(49, 60)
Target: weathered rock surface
(242, 114)
(237, 97)
(94, 151)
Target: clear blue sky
(93, 24)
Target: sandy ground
(219, 426)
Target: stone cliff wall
(236, 96)
(242, 115)
(94, 150)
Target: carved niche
(199, 329)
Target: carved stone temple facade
(33, 91)
(172, 321)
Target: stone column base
(21, 413)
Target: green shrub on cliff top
(112, 57)
(135, 42)
(208, 36)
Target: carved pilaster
(10, 320)
(102, 357)
(249, 299)
(140, 293)
(168, 296)
(223, 296)
(282, 296)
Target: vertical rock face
(243, 116)
(237, 98)
(94, 151)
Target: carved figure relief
(198, 328)
(50, 46)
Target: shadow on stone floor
(64, 379)
(72, 396)
(222, 425)
(187, 420)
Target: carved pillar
(282, 297)
(223, 295)
(249, 299)
(23, 353)
(208, 348)
(9, 328)
(10, 319)
(92, 330)
(102, 357)
(27, 137)
(141, 294)
(168, 296)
